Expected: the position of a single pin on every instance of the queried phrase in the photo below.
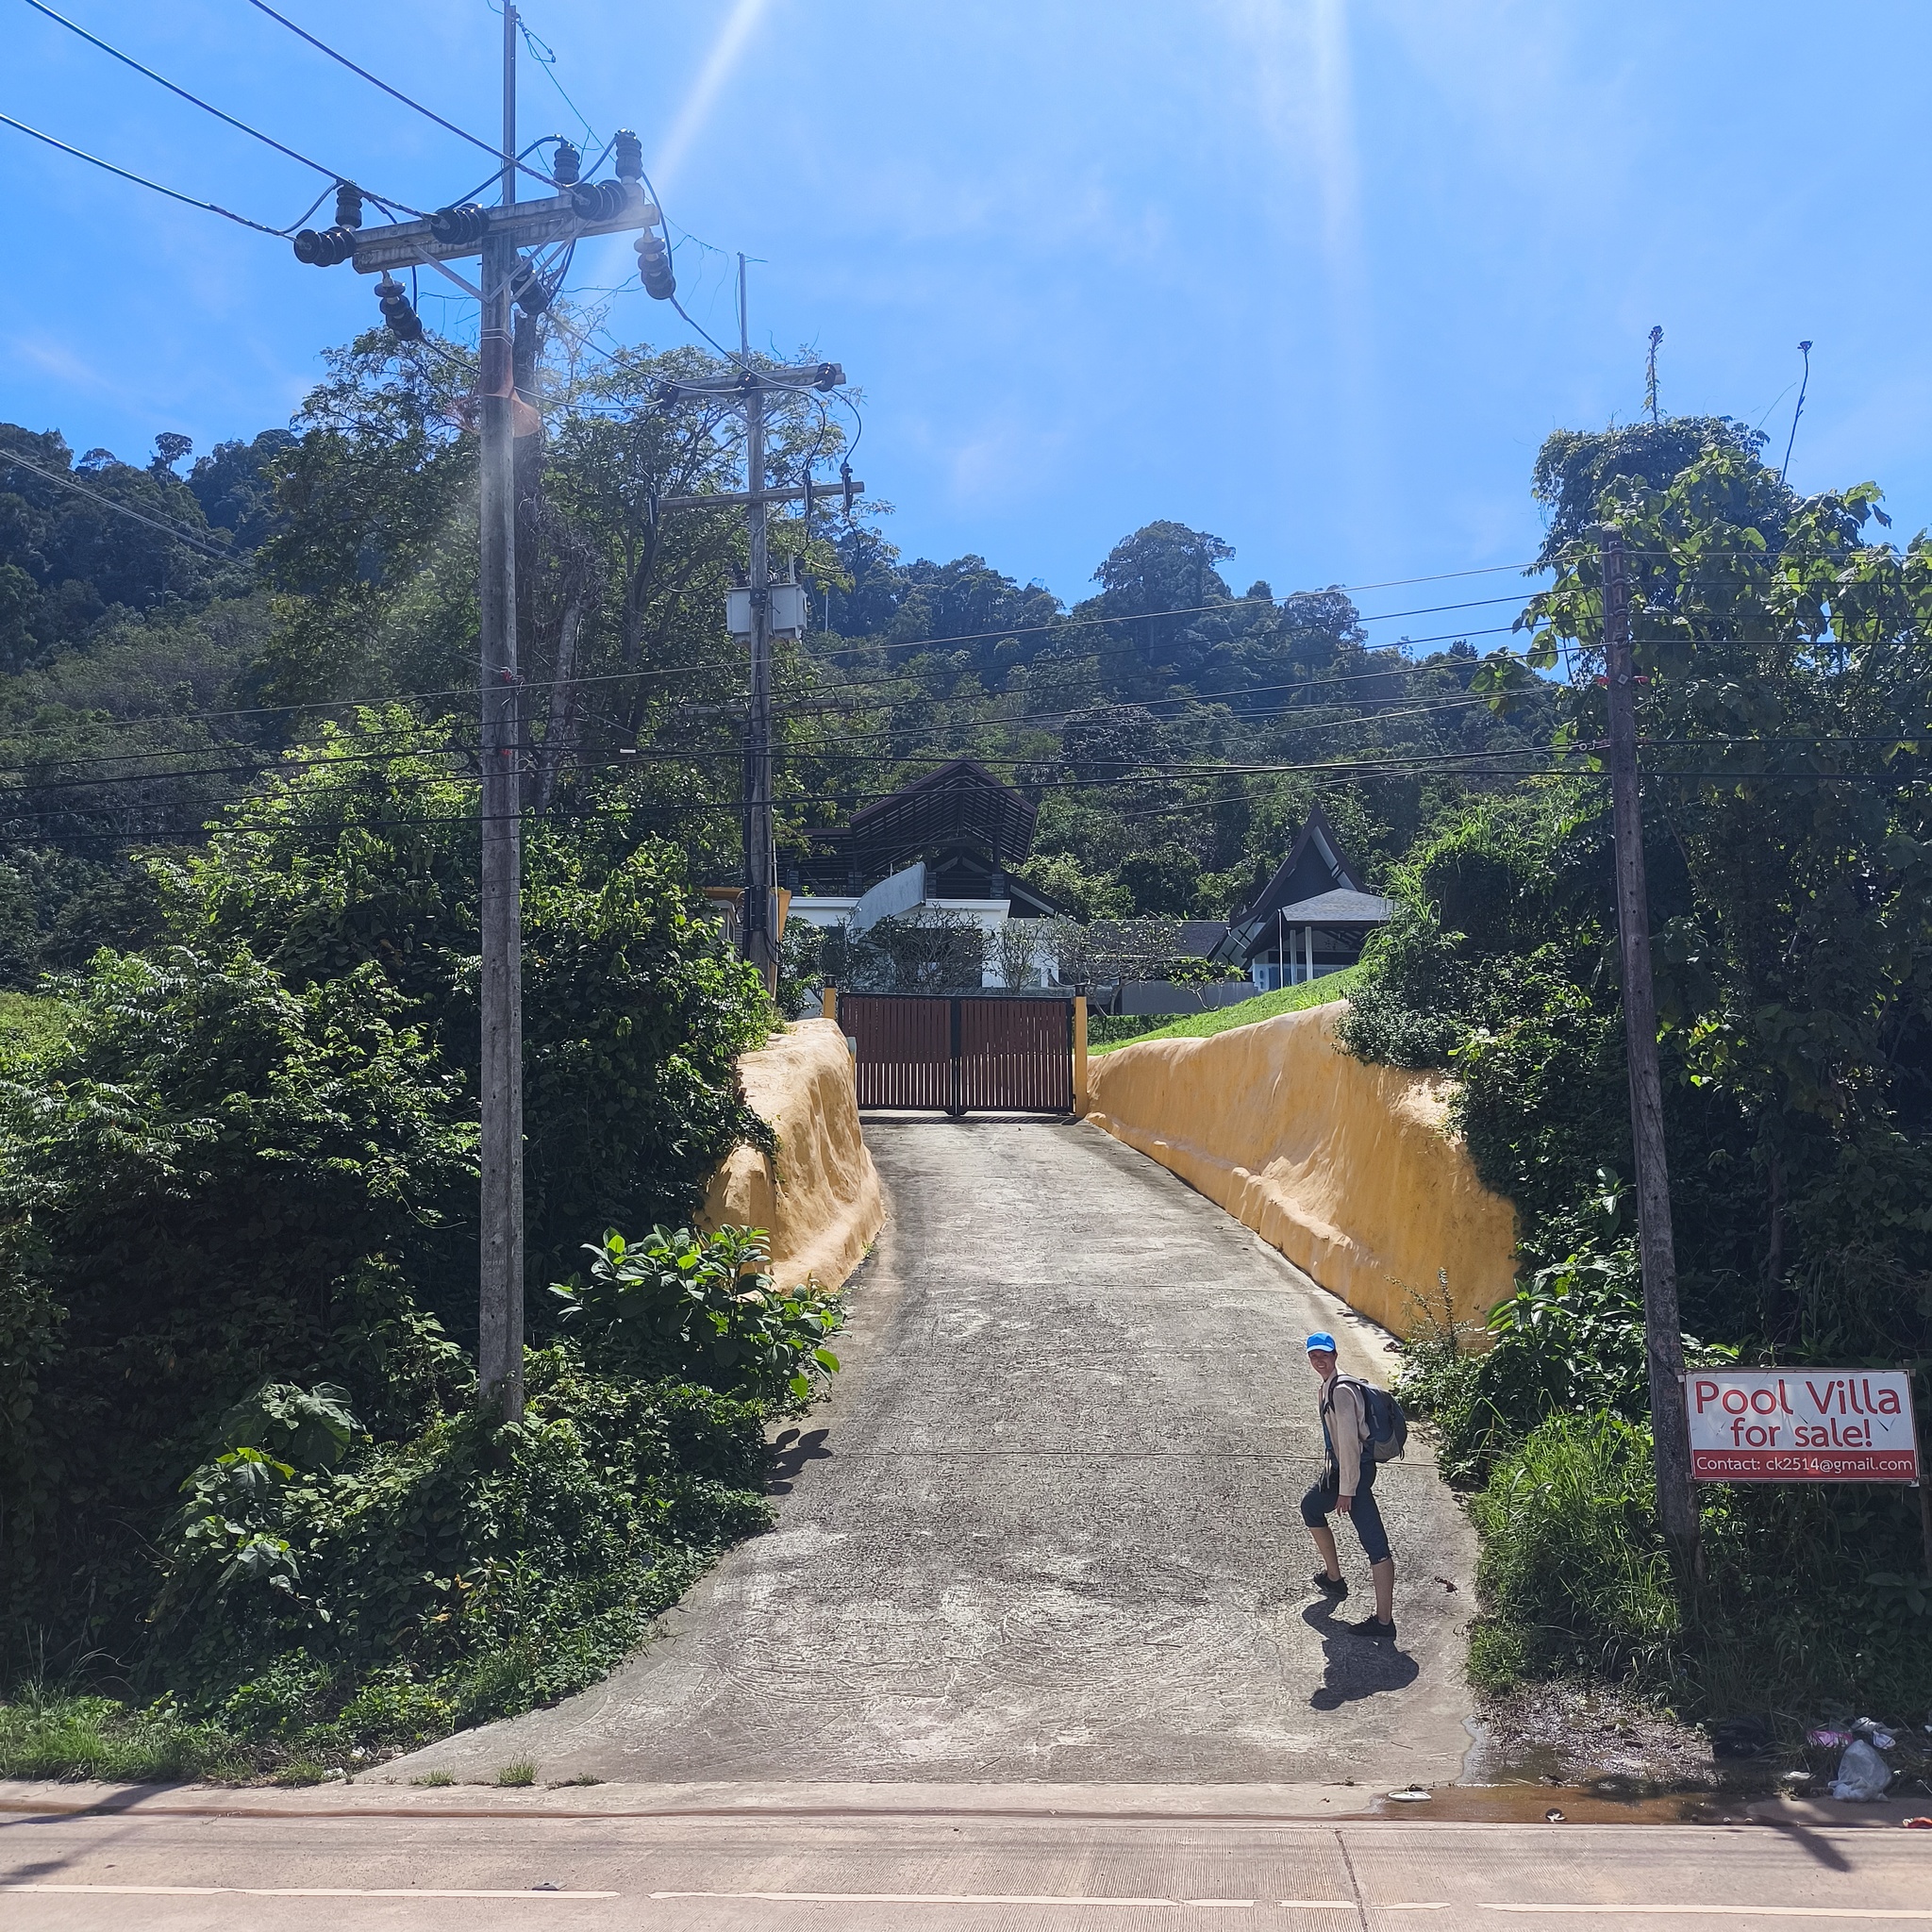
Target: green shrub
(69, 1737)
(699, 1306)
(1812, 1600)
(1403, 1008)
(331, 1598)
(1113, 1029)
(470, 1570)
(213, 1181)
(29, 1027)
(365, 857)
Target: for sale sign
(1802, 1425)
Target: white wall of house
(904, 893)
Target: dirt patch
(1590, 1735)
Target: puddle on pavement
(1520, 1804)
(1532, 1804)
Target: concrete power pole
(751, 615)
(760, 835)
(500, 1305)
(499, 236)
(1676, 1496)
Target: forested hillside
(152, 677)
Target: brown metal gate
(965, 1053)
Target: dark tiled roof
(961, 804)
(1339, 907)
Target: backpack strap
(1362, 1399)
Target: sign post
(1802, 1425)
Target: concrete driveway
(1047, 1526)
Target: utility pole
(760, 835)
(500, 1305)
(499, 237)
(1663, 1334)
(753, 614)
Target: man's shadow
(1357, 1666)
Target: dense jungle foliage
(240, 1192)
(1787, 818)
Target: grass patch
(518, 1772)
(435, 1779)
(101, 1737)
(1266, 1006)
(30, 1026)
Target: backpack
(1387, 1428)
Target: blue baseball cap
(1320, 1341)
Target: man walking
(1348, 1484)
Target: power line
(208, 108)
(913, 686)
(1332, 771)
(1072, 623)
(1268, 716)
(546, 57)
(396, 94)
(1401, 669)
(142, 181)
(1125, 771)
(194, 544)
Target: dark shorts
(1366, 1517)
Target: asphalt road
(1047, 1526)
(997, 1859)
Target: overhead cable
(208, 108)
(1126, 772)
(141, 180)
(396, 94)
(633, 809)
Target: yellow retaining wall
(825, 1206)
(1346, 1168)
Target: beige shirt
(1348, 1429)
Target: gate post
(955, 1091)
(828, 1002)
(1080, 1056)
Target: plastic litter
(1414, 1794)
(1829, 1741)
(1862, 1774)
(1918, 1823)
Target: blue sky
(1315, 276)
